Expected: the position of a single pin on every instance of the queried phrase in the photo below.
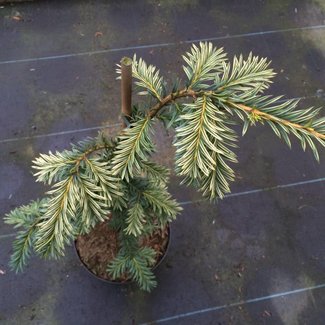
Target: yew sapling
(114, 180)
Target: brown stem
(87, 153)
(126, 87)
(179, 94)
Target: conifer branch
(216, 183)
(55, 228)
(245, 75)
(204, 62)
(93, 208)
(135, 220)
(22, 248)
(134, 147)
(136, 264)
(55, 167)
(26, 217)
(140, 270)
(284, 119)
(160, 201)
(147, 77)
(266, 116)
(155, 171)
(193, 138)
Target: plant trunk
(126, 89)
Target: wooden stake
(126, 87)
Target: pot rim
(129, 280)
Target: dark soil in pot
(101, 245)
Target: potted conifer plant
(110, 185)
